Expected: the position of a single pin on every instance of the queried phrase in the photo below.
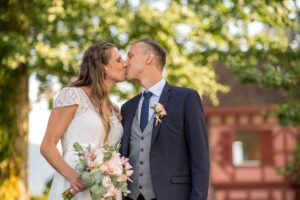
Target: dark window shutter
(266, 147)
(226, 141)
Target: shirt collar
(157, 88)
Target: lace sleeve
(68, 96)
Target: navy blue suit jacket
(179, 154)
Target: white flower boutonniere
(160, 112)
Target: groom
(170, 159)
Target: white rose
(99, 158)
(106, 181)
(159, 107)
(118, 171)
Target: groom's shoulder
(130, 102)
(182, 91)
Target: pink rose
(90, 163)
(86, 154)
(110, 190)
(129, 172)
(124, 160)
(128, 166)
(94, 156)
(115, 163)
(110, 171)
(104, 168)
(118, 194)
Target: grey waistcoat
(139, 150)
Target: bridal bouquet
(104, 172)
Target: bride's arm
(59, 121)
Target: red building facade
(247, 145)
(248, 171)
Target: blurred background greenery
(257, 39)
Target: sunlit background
(241, 56)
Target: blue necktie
(145, 110)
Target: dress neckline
(111, 117)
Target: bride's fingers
(83, 187)
(76, 188)
(80, 186)
(73, 191)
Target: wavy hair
(92, 75)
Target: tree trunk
(20, 142)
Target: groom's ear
(150, 58)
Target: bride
(83, 113)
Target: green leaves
(78, 148)
(103, 190)
(97, 191)
(123, 186)
(80, 167)
(88, 179)
(98, 176)
(289, 113)
(118, 148)
(107, 156)
(209, 31)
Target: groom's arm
(198, 146)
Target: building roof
(249, 95)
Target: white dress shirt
(156, 90)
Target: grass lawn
(39, 197)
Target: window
(245, 148)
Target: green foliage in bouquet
(93, 177)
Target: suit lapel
(127, 126)
(164, 97)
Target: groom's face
(136, 62)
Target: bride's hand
(76, 184)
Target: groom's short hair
(158, 50)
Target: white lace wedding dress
(85, 128)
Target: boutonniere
(160, 112)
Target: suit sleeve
(198, 146)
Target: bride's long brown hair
(92, 75)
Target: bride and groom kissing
(169, 153)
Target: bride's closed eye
(119, 59)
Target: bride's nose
(124, 63)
